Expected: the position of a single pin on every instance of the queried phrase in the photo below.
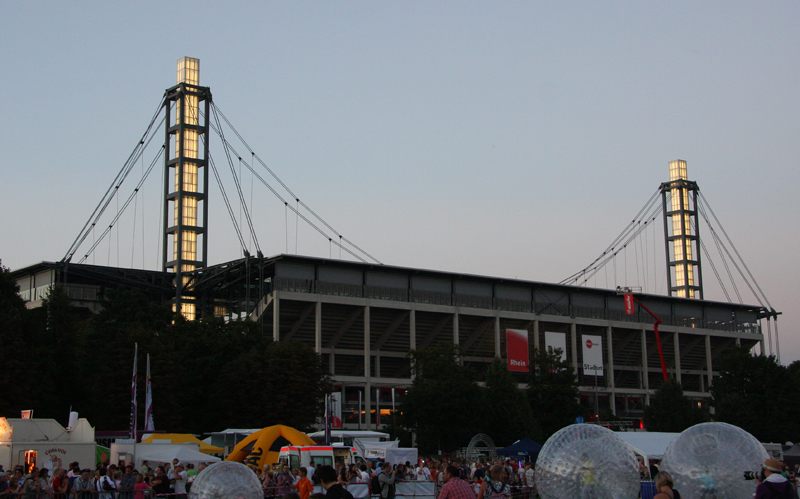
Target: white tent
(164, 454)
(648, 444)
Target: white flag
(148, 402)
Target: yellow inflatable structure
(263, 446)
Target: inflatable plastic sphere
(708, 460)
(227, 480)
(584, 461)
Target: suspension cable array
(113, 189)
(216, 124)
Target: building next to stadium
(363, 319)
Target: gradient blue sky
(511, 139)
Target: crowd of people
(451, 479)
(105, 481)
(501, 479)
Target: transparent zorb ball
(709, 459)
(584, 461)
(228, 480)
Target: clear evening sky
(510, 139)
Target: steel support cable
(113, 190)
(647, 206)
(734, 261)
(213, 167)
(735, 251)
(714, 267)
(115, 184)
(297, 198)
(236, 182)
(305, 219)
(227, 203)
(717, 243)
(604, 259)
(125, 205)
(591, 271)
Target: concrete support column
(412, 333)
(708, 360)
(677, 342)
(367, 346)
(610, 373)
(276, 317)
(573, 338)
(318, 328)
(367, 374)
(536, 335)
(497, 352)
(645, 367)
(455, 329)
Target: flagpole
(148, 402)
(133, 393)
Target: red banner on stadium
(629, 304)
(517, 349)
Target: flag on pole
(148, 402)
(133, 393)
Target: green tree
(553, 392)
(508, 415)
(670, 410)
(18, 386)
(443, 406)
(280, 383)
(756, 394)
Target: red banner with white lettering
(629, 304)
(517, 349)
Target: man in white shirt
(180, 479)
(423, 473)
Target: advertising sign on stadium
(592, 355)
(517, 349)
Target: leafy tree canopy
(756, 393)
(670, 410)
(443, 405)
(206, 375)
(553, 392)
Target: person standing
(304, 486)
(104, 486)
(386, 479)
(494, 487)
(160, 484)
(328, 479)
(83, 485)
(454, 487)
(774, 485)
(180, 481)
(285, 480)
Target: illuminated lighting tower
(185, 191)
(681, 236)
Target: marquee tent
(648, 444)
(163, 454)
(182, 438)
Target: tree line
(206, 375)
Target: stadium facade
(363, 319)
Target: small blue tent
(524, 447)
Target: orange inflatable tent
(263, 446)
